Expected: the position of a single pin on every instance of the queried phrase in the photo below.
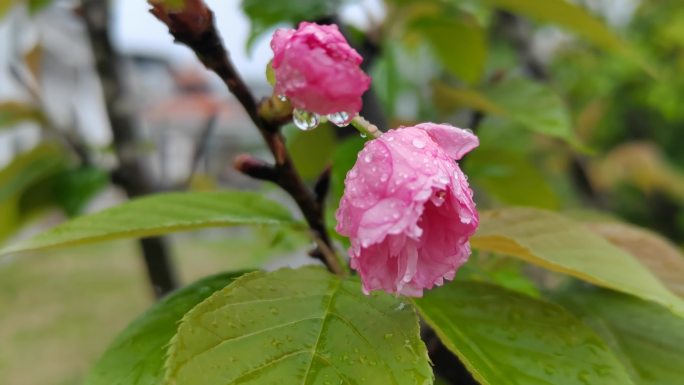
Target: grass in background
(60, 309)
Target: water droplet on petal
(340, 119)
(468, 130)
(418, 143)
(368, 158)
(305, 120)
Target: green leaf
(36, 6)
(532, 105)
(265, 14)
(270, 74)
(505, 338)
(161, 214)
(74, 188)
(29, 168)
(507, 176)
(19, 181)
(663, 258)
(647, 338)
(560, 244)
(459, 43)
(12, 113)
(301, 326)
(576, 19)
(5, 6)
(136, 357)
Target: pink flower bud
(317, 70)
(408, 210)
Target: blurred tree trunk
(131, 174)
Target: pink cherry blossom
(317, 70)
(408, 210)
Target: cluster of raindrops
(307, 121)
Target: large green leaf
(161, 214)
(647, 338)
(560, 244)
(301, 326)
(507, 176)
(663, 258)
(532, 105)
(136, 357)
(506, 338)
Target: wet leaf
(301, 326)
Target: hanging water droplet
(305, 120)
(282, 98)
(468, 130)
(363, 135)
(340, 119)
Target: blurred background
(579, 106)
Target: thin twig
(204, 40)
(201, 147)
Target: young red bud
(183, 17)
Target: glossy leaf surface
(505, 338)
(301, 326)
(161, 214)
(560, 244)
(647, 338)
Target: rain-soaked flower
(408, 210)
(317, 70)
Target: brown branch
(204, 40)
(131, 173)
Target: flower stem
(203, 38)
(366, 128)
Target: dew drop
(340, 119)
(418, 143)
(282, 98)
(368, 158)
(305, 120)
(363, 135)
(468, 130)
(388, 336)
(384, 177)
